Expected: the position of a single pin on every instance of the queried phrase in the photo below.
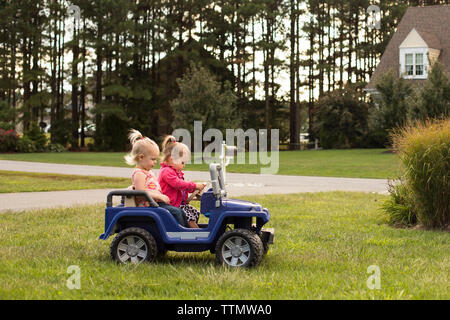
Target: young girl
(144, 155)
(171, 178)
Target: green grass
(324, 243)
(11, 181)
(355, 163)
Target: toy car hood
(240, 205)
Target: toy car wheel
(162, 253)
(239, 248)
(265, 245)
(133, 245)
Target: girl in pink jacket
(171, 178)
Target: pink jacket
(174, 186)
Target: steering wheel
(196, 195)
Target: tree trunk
(294, 126)
(75, 115)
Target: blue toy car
(234, 232)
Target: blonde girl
(175, 155)
(144, 155)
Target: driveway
(238, 184)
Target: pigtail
(139, 145)
(168, 140)
(134, 136)
(130, 160)
(178, 151)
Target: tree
(394, 92)
(294, 126)
(114, 60)
(201, 99)
(390, 110)
(6, 116)
(341, 119)
(433, 99)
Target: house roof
(431, 22)
(430, 38)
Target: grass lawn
(355, 163)
(324, 243)
(11, 181)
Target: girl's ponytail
(140, 145)
(178, 151)
(134, 136)
(168, 140)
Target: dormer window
(416, 54)
(414, 64)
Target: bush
(7, 126)
(433, 99)
(391, 109)
(394, 93)
(111, 133)
(424, 150)
(399, 206)
(341, 119)
(26, 145)
(39, 139)
(55, 147)
(61, 131)
(8, 140)
(7, 116)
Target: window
(409, 64)
(413, 63)
(419, 64)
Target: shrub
(433, 99)
(394, 93)
(7, 116)
(390, 110)
(399, 206)
(8, 140)
(111, 133)
(7, 126)
(61, 131)
(424, 150)
(39, 139)
(341, 119)
(55, 147)
(26, 145)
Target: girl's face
(148, 160)
(179, 165)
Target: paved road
(238, 185)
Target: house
(422, 37)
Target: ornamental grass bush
(424, 150)
(400, 205)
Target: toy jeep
(234, 232)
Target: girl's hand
(165, 199)
(200, 186)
